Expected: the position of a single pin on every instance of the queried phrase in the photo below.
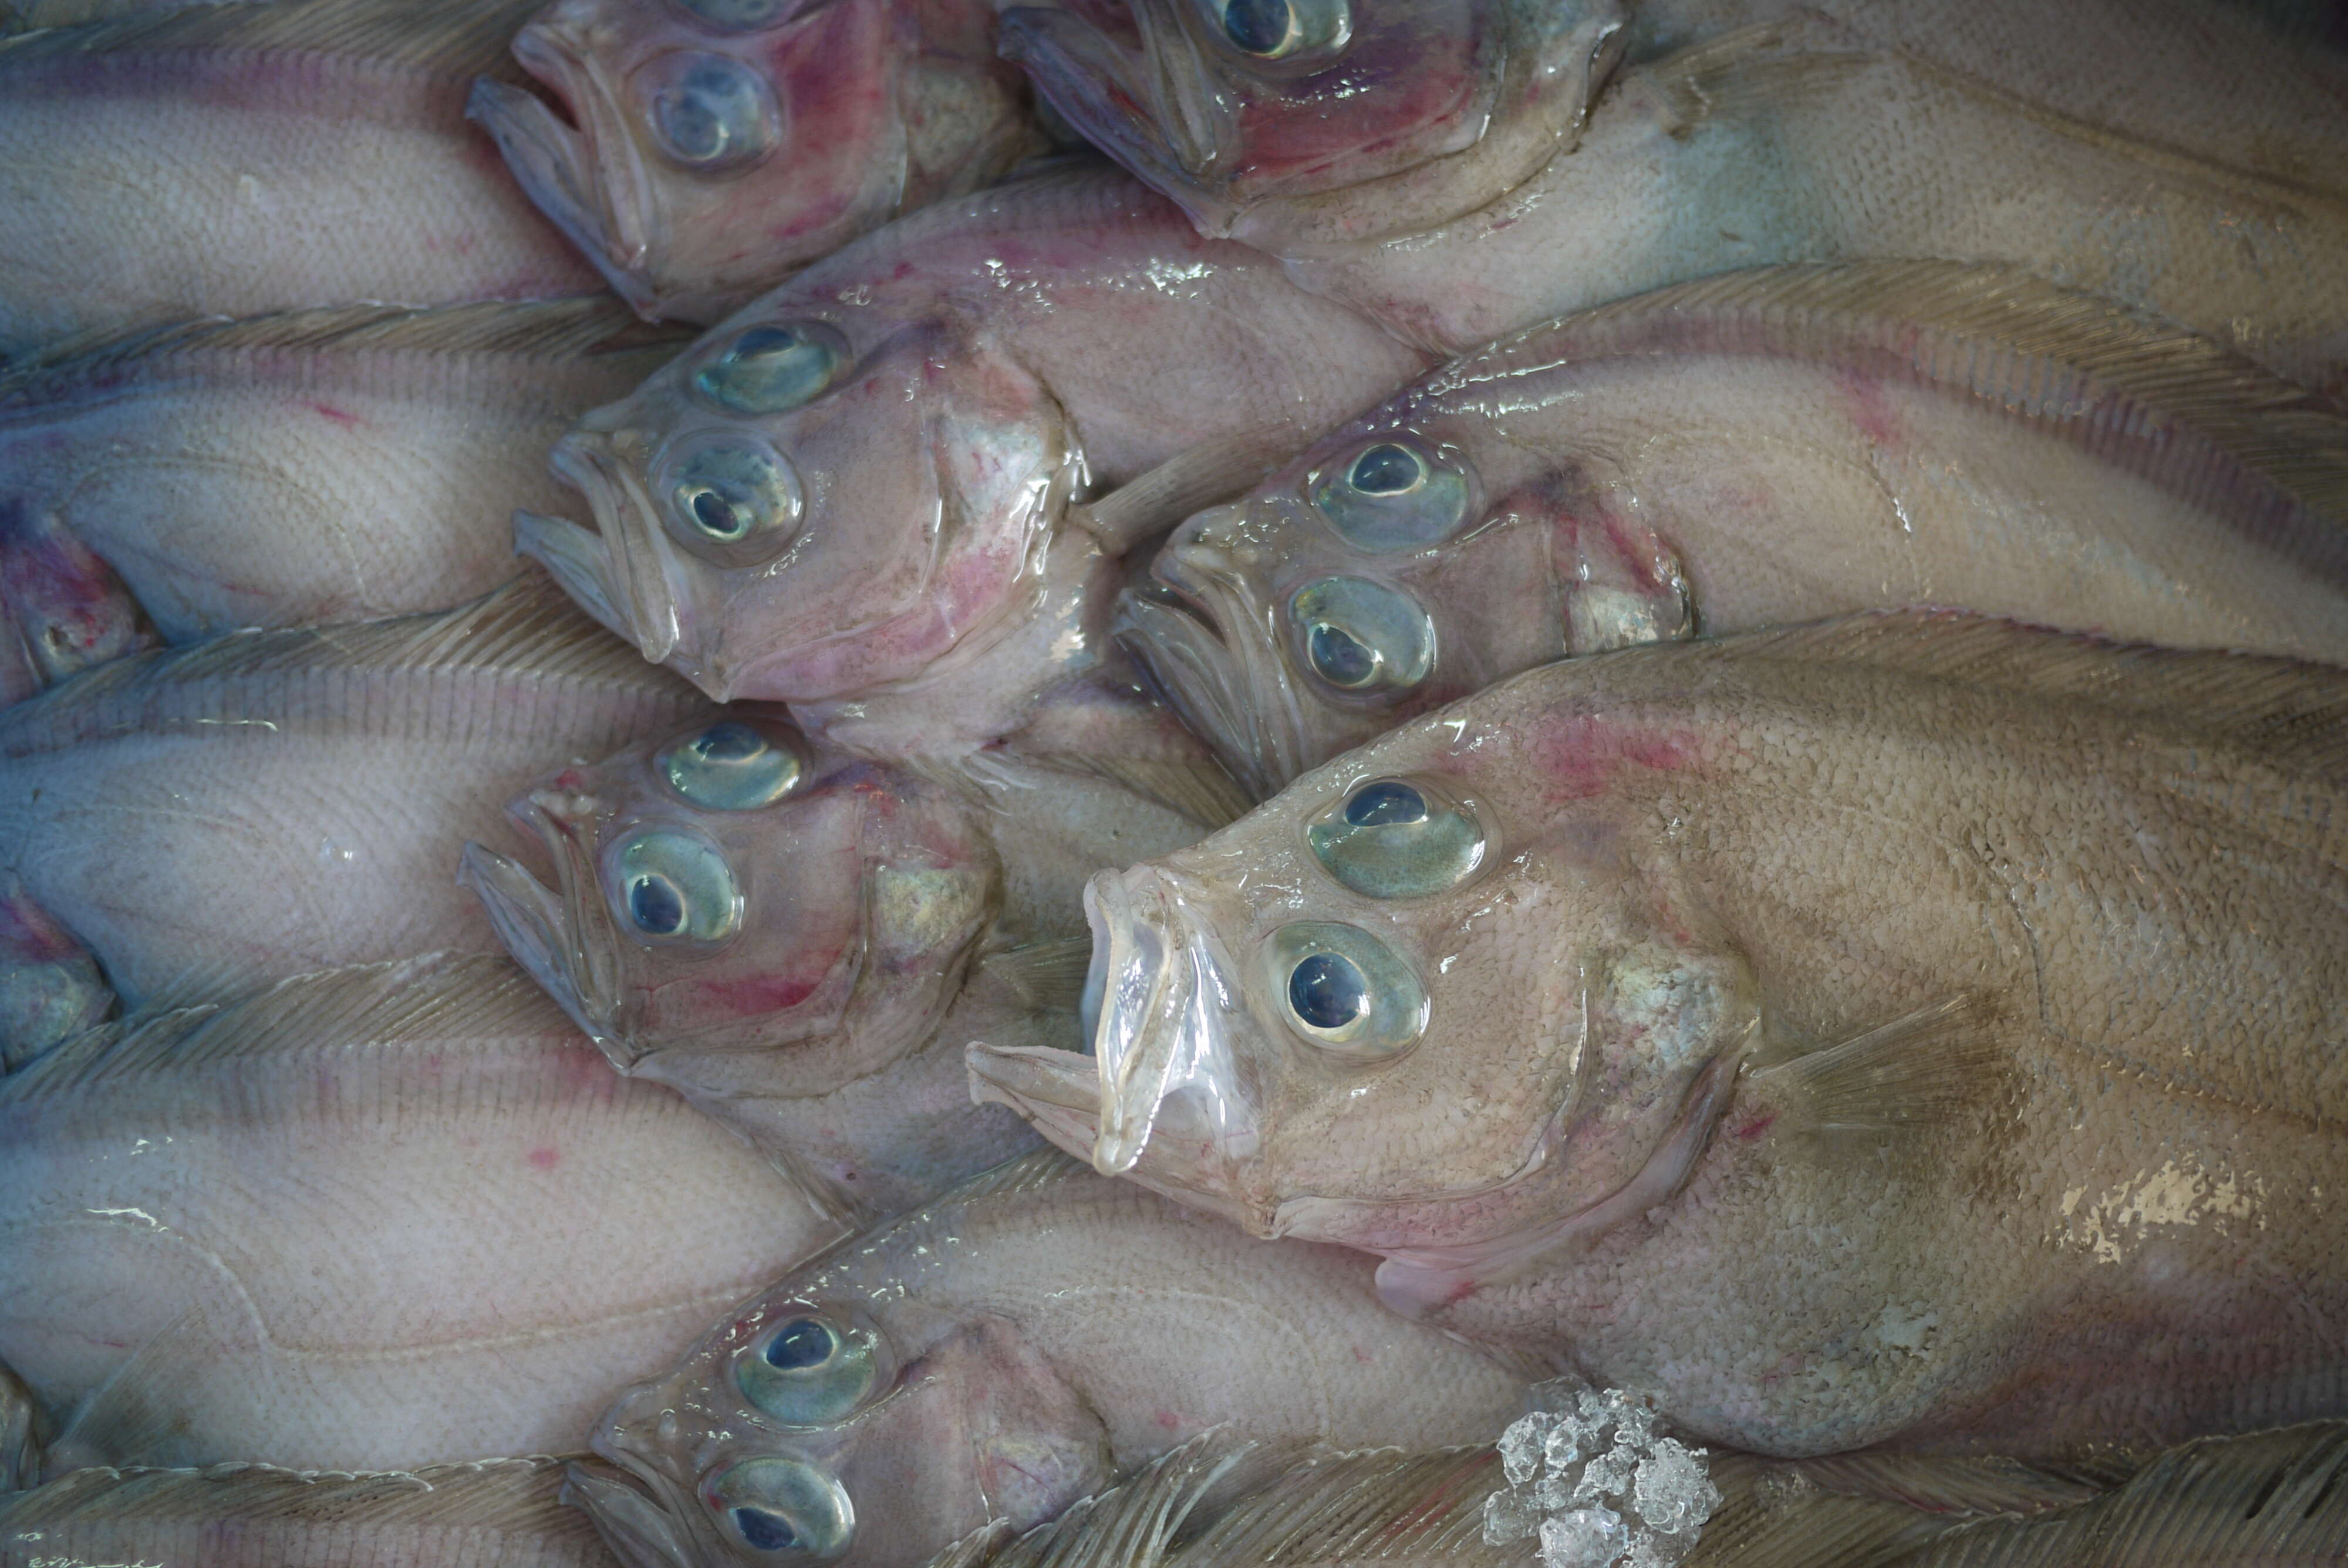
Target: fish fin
(1772, 1516)
(497, 1496)
(531, 329)
(2183, 410)
(1034, 1171)
(2293, 712)
(640, 1532)
(51, 988)
(1362, 1507)
(1130, 1524)
(1187, 482)
(1949, 1484)
(2269, 1497)
(1047, 976)
(24, 1434)
(1733, 71)
(1917, 1070)
(1196, 787)
(978, 1549)
(437, 996)
(130, 1419)
(457, 38)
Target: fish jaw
(641, 1530)
(562, 939)
(1205, 639)
(590, 182)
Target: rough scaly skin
(2105, 1212)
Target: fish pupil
(1385, 469)
(718, 516)
(1385, 804)
(802, 1343)
(765, 1531)
(1258, 27)
(1327, 992)
(1340, 656)
(692, 125)
(655, 905)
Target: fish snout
(623, 576)
(562, 938)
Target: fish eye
(709, 112)
(1391, 838)
(773, 369)
(1362, 636)
(1391, 495)
(738, 16)
(734, 765)
(736, 496)
(669, 886)
(1280, 29)
(1345, 991)
(783, 1509)
(808, 1371)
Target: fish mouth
(562, 937)
(1159, 1099)
(1207, 646)
(1164, 114)
(643, 1524)
(590, 180)
(620, 574)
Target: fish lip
(612, 1502)
(1124, 103)
(590, 182)
(1202, 646)
(560, 936)
(633, 582)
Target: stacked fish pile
(1564, 783)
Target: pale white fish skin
(231, 481)
(1040, 1337)
(370, 1253)
(202, 833)
(1852, 153)
(148, 184)
(493, 1513)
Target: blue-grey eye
(1363, 636)
(673, 886)
(1276, 29)
(773, 369)
(709, 112)
(808, 1372)
(1394, 839)
(740, 15)
(736, 494)
(734, 765)
(783, 1508)
(1345, 991)
(1392, 495)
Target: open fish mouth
(563, 939)
(619, 574)
(1163, 114)
(1159, 1099)
(590, 180)
(641, 1515)
(1203, 643)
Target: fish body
(492, 1513)
(202, 820)
(1919, 1031)
(296, 469)
(1009, 1349)
(1756, 449)
(886, 450)
(801, 941)
(711, 149)
(232, 159)
(2195, 174)
(367, 1219)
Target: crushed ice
(1600, 1487)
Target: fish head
(698, 152)
(739, 887)
(808, 505)
(858, 1413)
(1434, 995)
(1297, 124)
(1369, 581)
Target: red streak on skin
(1754, 1128)
(1169, 1421)
(1584, 754)
(757, 994)
(328, 411)
(1868, 409)
(545, 1159)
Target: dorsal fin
(1363, 1507)
(530, 329)
(2205, 423)
(457, 38)
(1128, 1525)
(500, 1495)
(436, 997)
(1048, 975)
(1031, 1173)
(299, 676)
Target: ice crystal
(1585, 1538)
(1594, 1479)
